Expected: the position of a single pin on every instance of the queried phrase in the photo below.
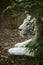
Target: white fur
(25, 27)
(23, 44)
(20, 51)
(20, 48)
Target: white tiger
(26, 28)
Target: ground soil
(8, 38)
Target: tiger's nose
(20, 29)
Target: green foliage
(26, 5)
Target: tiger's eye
(27, 23)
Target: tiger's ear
(28, 15)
